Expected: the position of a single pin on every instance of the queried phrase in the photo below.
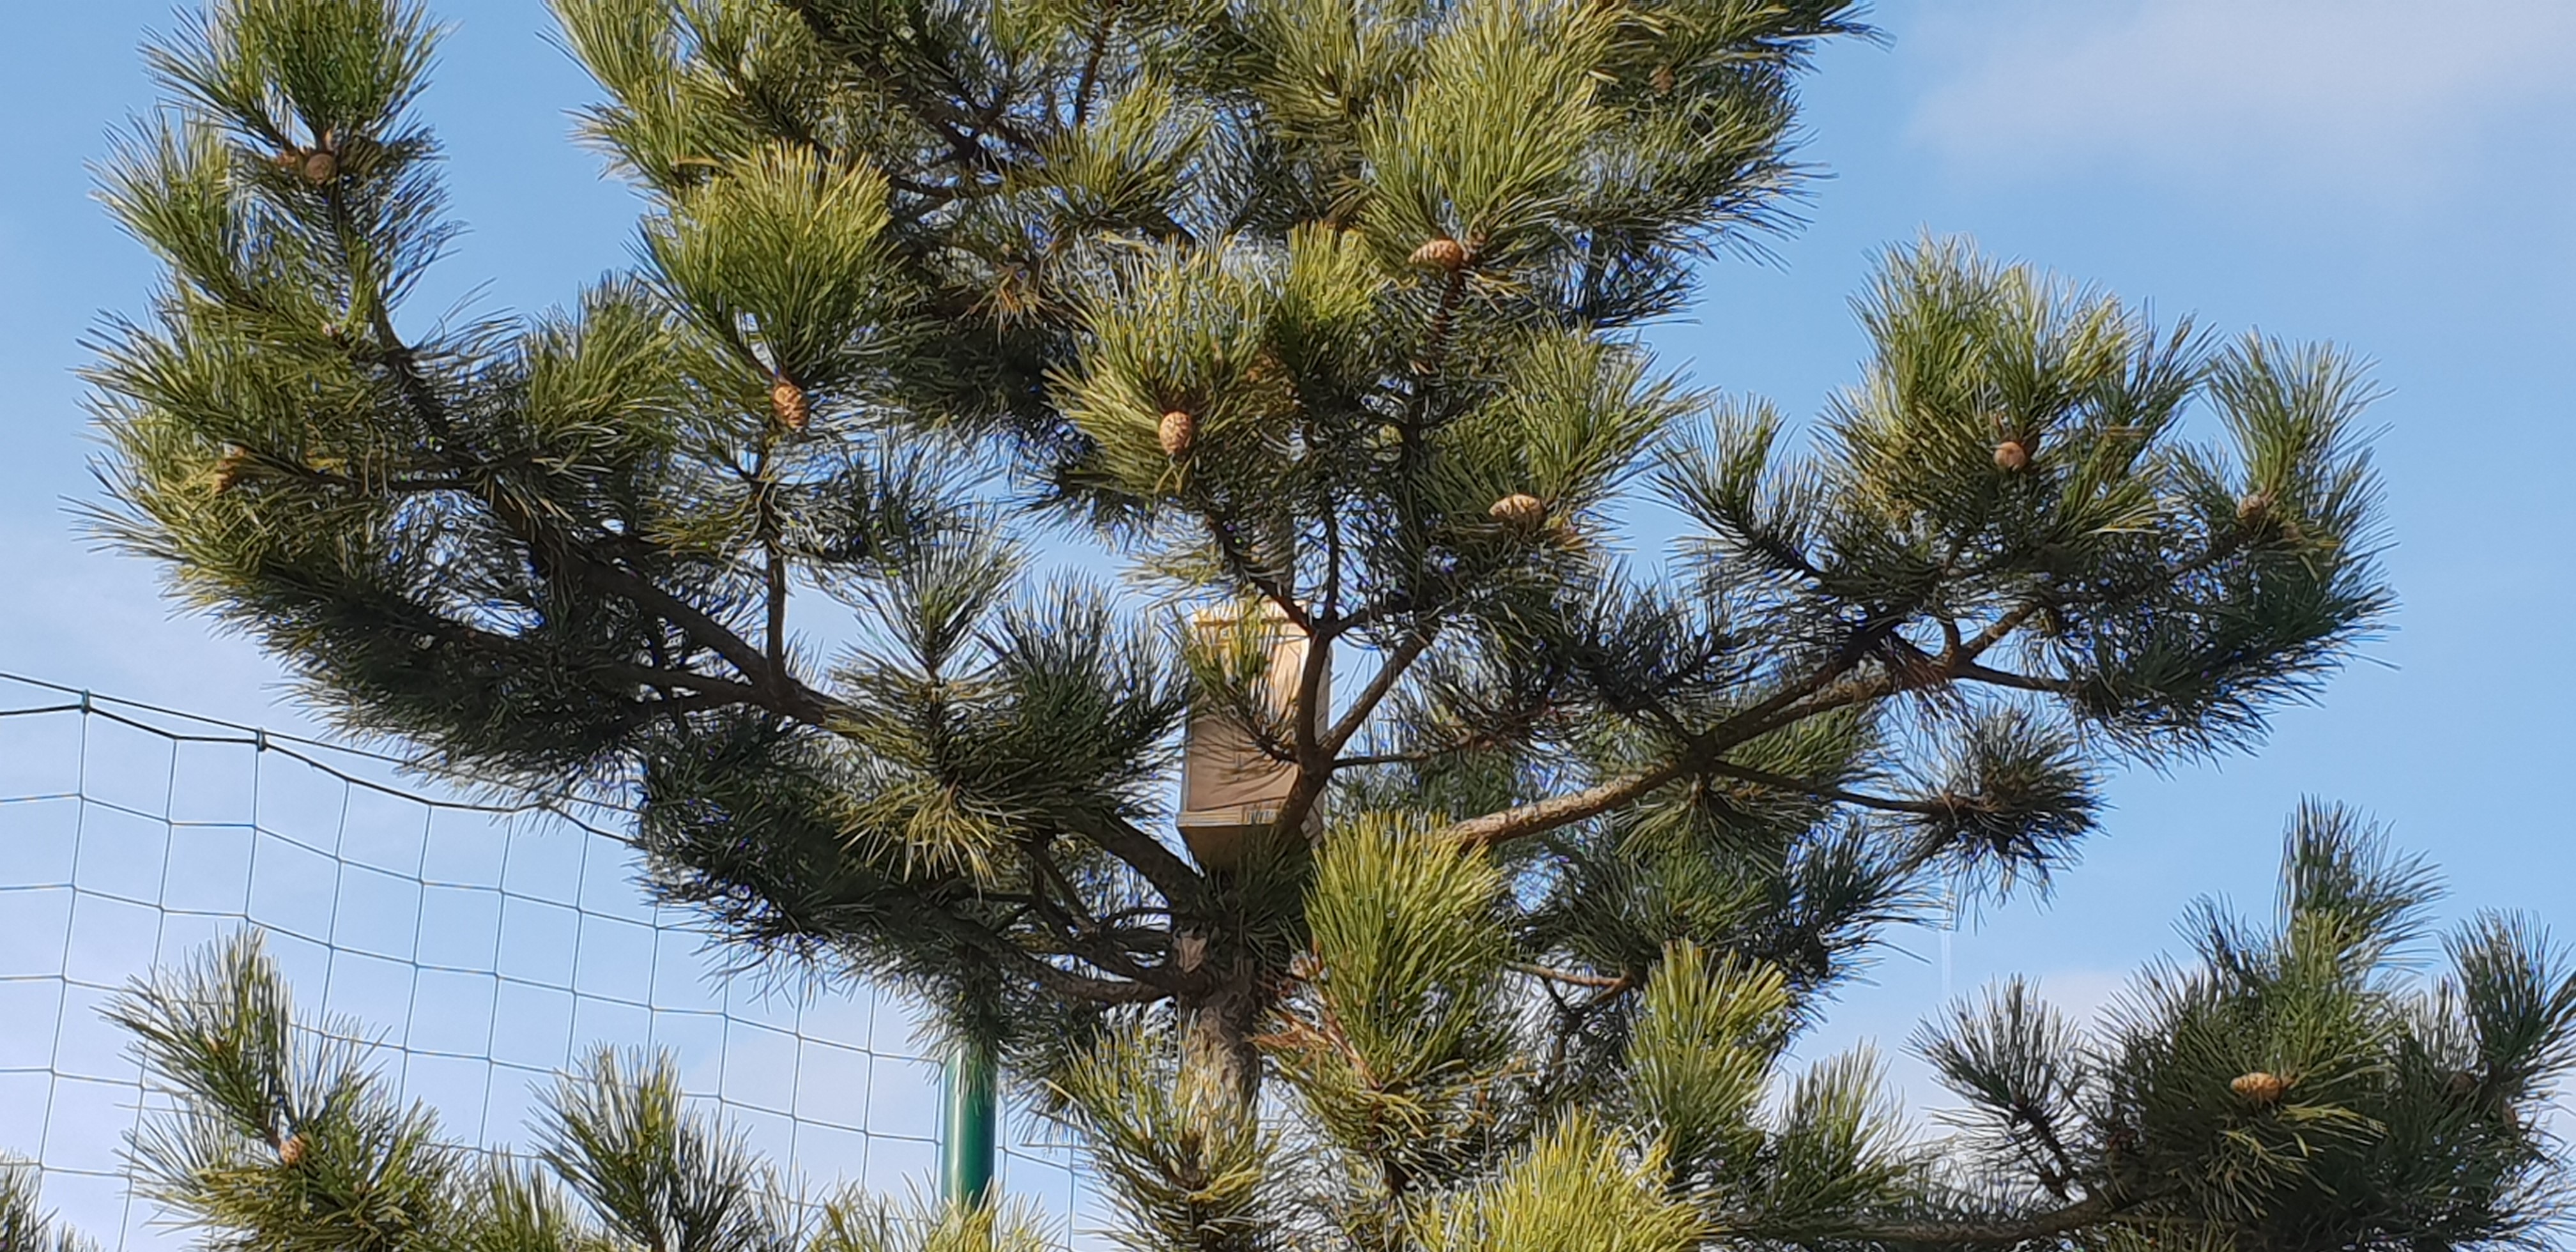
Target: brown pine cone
(2011, 456)
(1443, 253)
(1177, 432)
(2259, 1087)
(1520, 511)
(788, 401)
(234, 465)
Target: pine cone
(2259, 1087)
(320, 166)
(1663, 80)
(2253, 509)
(290, 1151)
(1520, 511)
(234, 465)
(1443, 253)
(788, 401)
(1177, 433)
(2011, 456)
(2463, 1084)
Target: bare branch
(1180, 885)
(1571, 978)
(1541, 816)
(1380, 686)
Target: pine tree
(24, 1226)
(1318, 320)
(2303, 1085)
(282, 1135)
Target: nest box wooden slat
(1231, 790)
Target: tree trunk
(1217, 1027)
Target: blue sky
(2344, 169)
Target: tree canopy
(1303, 319)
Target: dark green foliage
(2296, 1088)
(1307, 312)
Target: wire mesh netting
(486, 947)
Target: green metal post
(973, 1113)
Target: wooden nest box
(1232, 790)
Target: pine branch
(729, 692)
(1173, 877)
(950, 113)
(1317, 754)
(1089, 79)
(1080, 987)
(1390, 671)
(1239, 563)
(1540, 816)
(779, 689)
(2091, 1212)
(1572, 978)
(1083, 935)
(1821, 791)
(1811, 698)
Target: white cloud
(2384, 95)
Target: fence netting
(485, 946)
